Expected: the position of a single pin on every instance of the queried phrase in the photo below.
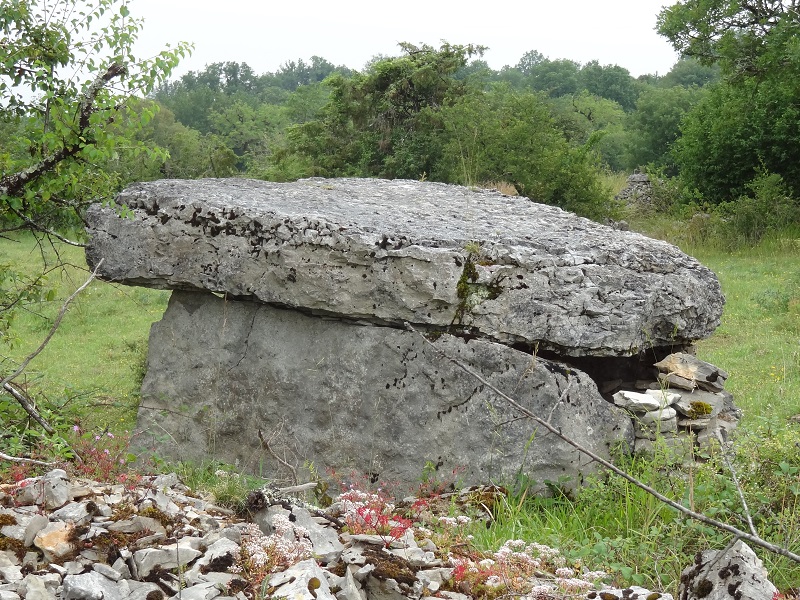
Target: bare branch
(268, 448)
(34, 225)
(754, 539)
(53, 329)
(728, 463)
(28, 406)
(29, 461)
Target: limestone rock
(303, 581)
(432, 254)
(700, 404)
(55, 540)
(691, 368)
(374, 399)
(636, 402)
(93, 586)
(739, 573)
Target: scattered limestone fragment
(738, 573)
(207, 559)
(690, 368)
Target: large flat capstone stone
(386, 252)
(273, 390)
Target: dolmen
(323, 324)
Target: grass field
(94, 364)
(91, 371)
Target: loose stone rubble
(156, 540)
(638, 191)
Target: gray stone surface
(394, 251)
(738, 573)
(375, 399)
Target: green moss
(158, 515)
(7, 520)
(471, 293)
(12, 545)
(699, 409)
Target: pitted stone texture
(224, 374)
(394, 251)
(738, 573)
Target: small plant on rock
(104, 456)
(373, 513)
(261, 555)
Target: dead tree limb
(24, 402)
(31, 461)
(24, 364)
(753, 539)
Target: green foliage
(479, 130)
(68, 82)
(767, 207)
(689, 72)
(747, 39)
(655, 125)
(736, 131)
(612, 525)
(83, 375)
(228, 487)
(610, 81)
(382, 123)
(66, 74)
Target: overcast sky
(265, 34)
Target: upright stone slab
(264, 388)
(505, 269)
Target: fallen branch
(24, 402)
(30, 461)
(28, 407)
(753, 539)
(268, 448)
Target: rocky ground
(63, 538)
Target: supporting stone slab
(227, 378)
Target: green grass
(92, 368)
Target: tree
(610, 81)
(506, 135)
(750, 122)
(379, 123)
(737, 132)
(688, 72)
(69, 89)
(745, 37)
(655, 125)
(67, 73)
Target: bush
(768, 208)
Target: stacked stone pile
(63, 539)
(638, 191)
(686, 407)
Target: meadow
(89, 375)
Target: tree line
(722, 126)
(549, 128)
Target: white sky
(264, 33)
